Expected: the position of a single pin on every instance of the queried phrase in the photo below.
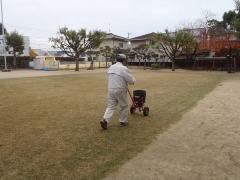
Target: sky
(41, 19)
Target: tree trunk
(173, 65)
(106, 62)
(144, 64)
(213, 65)
(185, 62)
(14, 61)
(77, 64)
(235, 64)
(229, 64)
(91, 64)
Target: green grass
(49, 126)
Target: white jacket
(119, 77)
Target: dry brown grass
(49, 126)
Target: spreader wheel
(146, 111)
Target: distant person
(118, 79)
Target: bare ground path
(39, 73)
(204, 145)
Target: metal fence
(212, 64)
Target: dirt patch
(39, 73)
(204, 145)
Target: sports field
(49, 126)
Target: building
(40, 52)
(115, 41)
(142, 40)
(215, 44)
(220, 44)
(26, 51)
(146, 39)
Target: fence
(66, 63)
(22, 61)
(216, 63)
(83, 65)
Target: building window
(120, 45)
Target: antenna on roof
(109, 28)
(129, 35)
(129, 42)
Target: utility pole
(3, 35)
(129, 42)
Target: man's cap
(121, 57)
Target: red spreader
(138, 102)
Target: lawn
(49, 126)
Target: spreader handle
(133, 102)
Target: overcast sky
(40, 19)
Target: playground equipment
(47, 63)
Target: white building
(142, 40)
(146, 39)
(26, 51)
(115, 41)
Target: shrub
(155, 66)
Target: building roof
(112, 36)
(144, 37)
(40, 52)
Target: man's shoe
(123, 124)
(104, 124)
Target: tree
(131, 55)
(75, 43)
(155, 56)
(237, 5)
(14, 45)
(116, 51)
(107, 53)
(138, 55)
(5, 31)
(203, 21)
(142, 52)
(189, 45)
(231, 19)
(230, 24)
(169, 44)
(216, 27)
(174, 44)
(90, 54)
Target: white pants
(115, 97)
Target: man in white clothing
(118, 79)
